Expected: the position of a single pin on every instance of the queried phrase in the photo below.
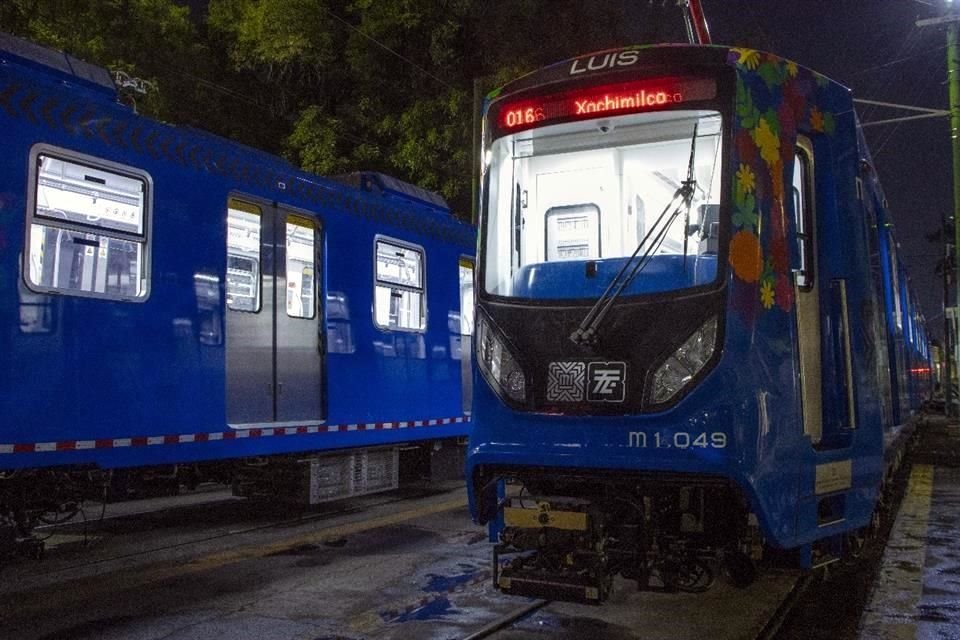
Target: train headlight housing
(685, 363)
(497, 364)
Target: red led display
(611, 99)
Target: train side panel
(123, 382)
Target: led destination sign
(612, 99)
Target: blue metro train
(169, 297)
(695, 339)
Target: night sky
(873, 47)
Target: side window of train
(301, 267)
(466, 297)
(803, 213)
(88, 224)
(895, 278)
(399, 297)
(243, 256)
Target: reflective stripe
(186, 438)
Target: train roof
(672, 53)
(184, 144)
(393, 188)
(32, 54)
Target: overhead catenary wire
(915, 89)
(880, 86)
(264, 108)
(891, 63)
(387, 49)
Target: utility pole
(946, 387)
(953, 82)
(951, 20)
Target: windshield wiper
(587, 332)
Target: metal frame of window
(422, 290)
(98, 164)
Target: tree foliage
(335, 85)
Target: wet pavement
(410, 565)
(411, 570)
(917, 593)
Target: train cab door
(274, 327)
(807, 294)
(568, 207)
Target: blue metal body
(753, 393)
(117, 384)
(558, 280)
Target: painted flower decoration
(746, 181)
(767, 295)
(774, 99)
(749, 58)
(784, 292)
(768, 142)
(816, 119)
(746, 256)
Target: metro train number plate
(677, 440)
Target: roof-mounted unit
(34, 54)
(388, 187)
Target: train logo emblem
(595, 382)
(566, 381)
(607, 381)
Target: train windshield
(566, 205)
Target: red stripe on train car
(142, 441)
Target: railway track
(491, 629)
(48, 569)
(286, 550)
(506, 623)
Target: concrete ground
(917, 594)
(406, 570)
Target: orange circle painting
(746, 256)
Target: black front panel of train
(610, 377)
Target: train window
(564, 194)
(803, 215)
(243, 256)
(399, 289)
(301, 267)
(87, 228)
(895, 274)
(573, 232)
(466, 297)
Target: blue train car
(168, 296)
(695, 340)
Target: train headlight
(497, 364)
(685, 363)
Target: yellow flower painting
(767, 295)
(746, 181)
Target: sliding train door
(274, 326)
